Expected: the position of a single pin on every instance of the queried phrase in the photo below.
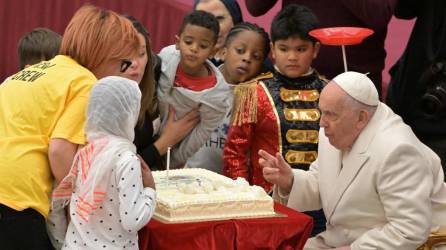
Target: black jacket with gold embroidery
(276, 114)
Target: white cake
(199, 194)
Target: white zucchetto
(358, 86)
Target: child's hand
(147, 178)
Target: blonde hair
(95, 36)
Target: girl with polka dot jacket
(111, 193)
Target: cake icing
(199, 194)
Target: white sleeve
(304, 195)
(170, 58)
(136, 203)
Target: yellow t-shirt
(47, 100)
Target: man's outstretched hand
(276, 170)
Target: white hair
(355, 106)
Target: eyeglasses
(125, 64)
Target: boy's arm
(241, 132)
(236, 151)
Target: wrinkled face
(341, 124)
(218, 9)
(195, 44)
(135, 71)
(294, 56)
(243, 57)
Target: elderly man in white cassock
(379, 186)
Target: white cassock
(387, 192)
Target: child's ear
(317, 46)
(177, 42)
(273, 53)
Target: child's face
(243, 57)
(196, 44)
(294, 56)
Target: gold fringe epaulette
(323, 78)
(245, 101)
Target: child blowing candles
(188, 80)
(111, 191)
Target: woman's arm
(152, 149)
(60, 154)
(176, 130)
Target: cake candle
(168, 165)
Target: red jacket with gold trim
(276, 114)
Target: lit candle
(168, 165)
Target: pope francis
(379, 186)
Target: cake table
(289, 232)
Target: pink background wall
(161, 17)
(397, 36)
